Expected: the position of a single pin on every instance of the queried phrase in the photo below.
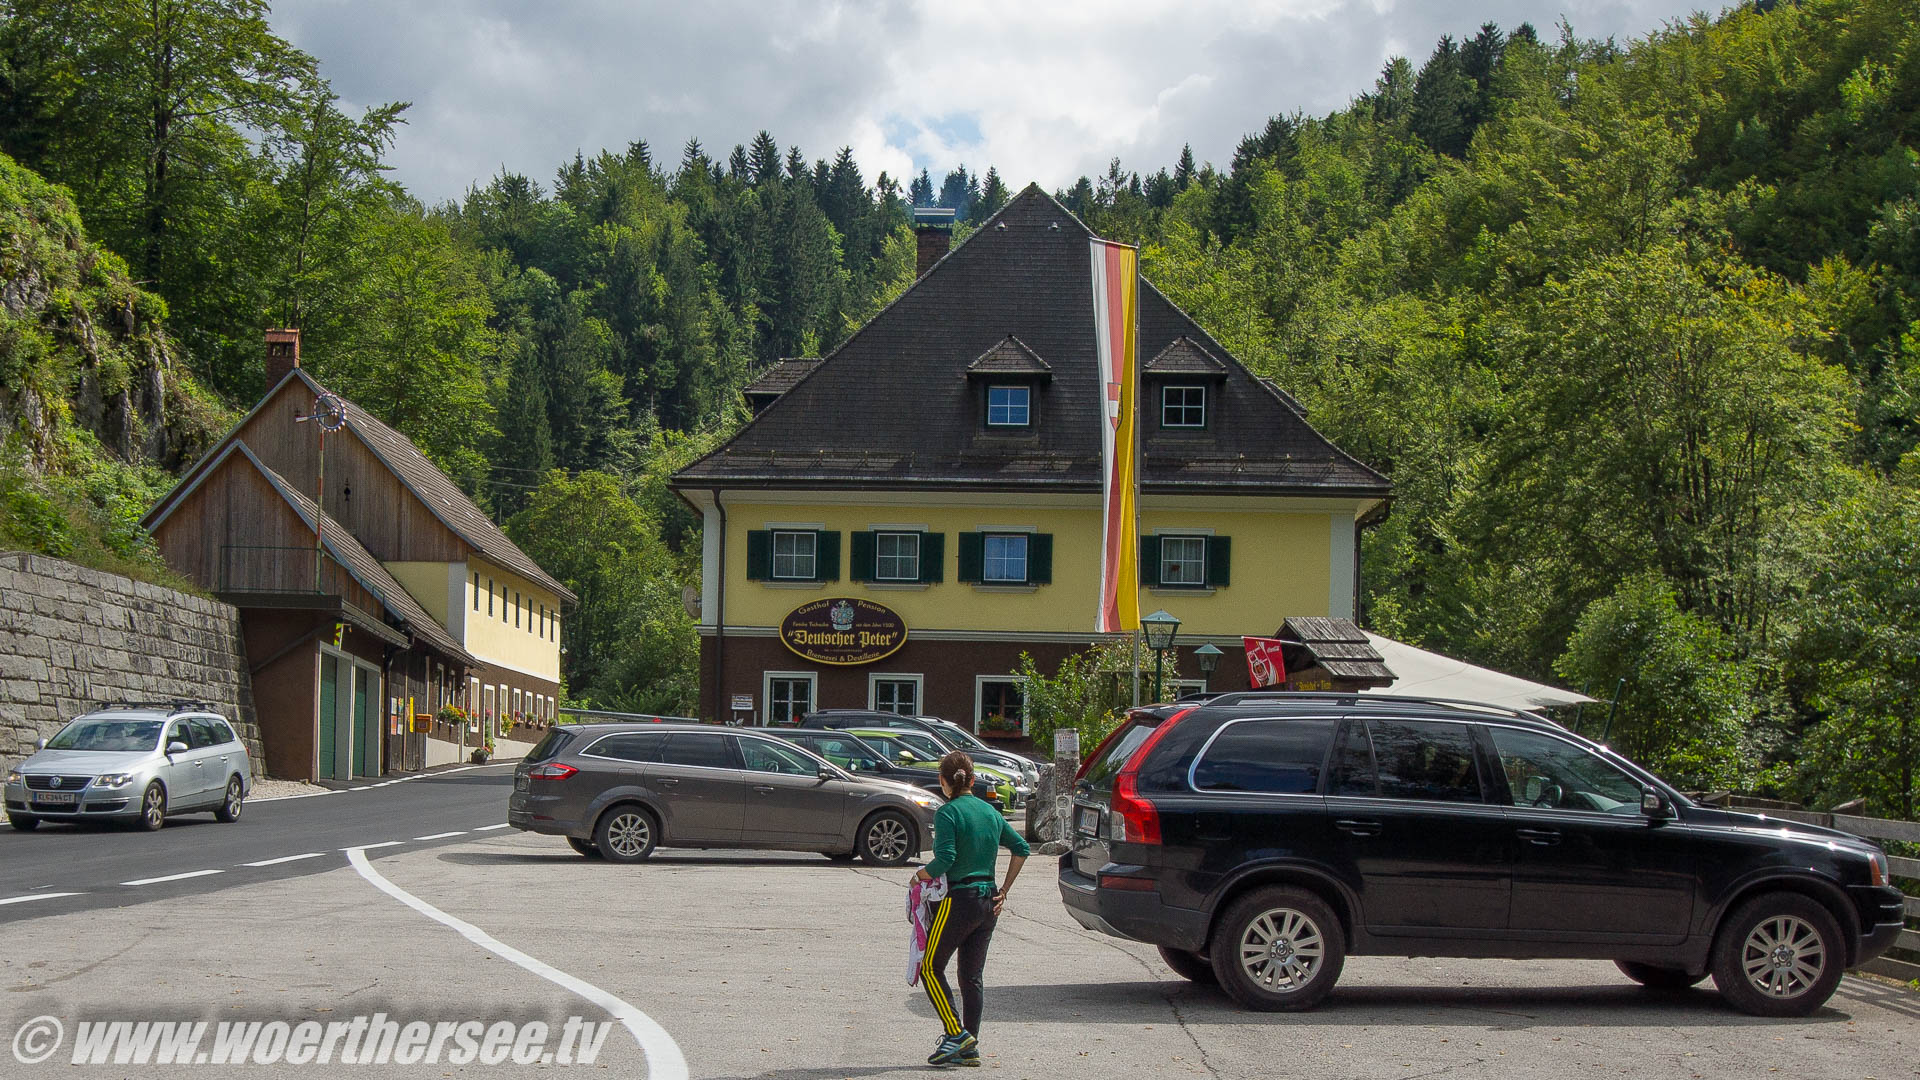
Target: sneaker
(970, 1057)
(952, 1048)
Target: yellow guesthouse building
(905, 517)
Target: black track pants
(964, 922)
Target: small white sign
(1066, 742)
(743, 703)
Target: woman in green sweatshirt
(967, 837)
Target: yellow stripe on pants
(929, 977)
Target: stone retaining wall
(72, 637)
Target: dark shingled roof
(1185, 357)
(892, 407)
(783, 375)
(441, 495)
(1010, 357)
(1338, 645)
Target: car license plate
(56, 798)
(1089, 821)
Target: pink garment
(921, 896)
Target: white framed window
(1183, 406)
(788, 694)
(476, 590)
(1183, 560)
(895, 693)
(1003, 558)
(896, 556)
(489, 597)
(999, 705)
(1009, 406)
(794, 555)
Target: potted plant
(483, 752)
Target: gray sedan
(617, 791)
(138, 762)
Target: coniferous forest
(1634, 327)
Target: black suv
(1260, 838)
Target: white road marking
(443, 835)
(370, 847)
(33, 896)
(173, 877)
(490, 828)
(286, 859)
(664, 1059)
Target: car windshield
(109, 735)
(958, 734)
(891, 746)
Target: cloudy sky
(1046, 91)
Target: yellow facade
(509, 621)
(1285, 562)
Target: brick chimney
(283, 355)
(933, 236)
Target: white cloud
(1044, 91)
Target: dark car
(954, 737)
(618, 790)
(1260, 838)
(856, 755)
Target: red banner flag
(1264, 665)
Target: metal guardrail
(1905, 967)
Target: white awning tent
(1419, 673)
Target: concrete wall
(72, 637)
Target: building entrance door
(329, 711)
(366, 721)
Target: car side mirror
(176, 747)
(39, 744)
(825, 773)
(1654, 805)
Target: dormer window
(1183, 406)
(1009, 406)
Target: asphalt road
(790, 967)
(105, 866)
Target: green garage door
(329, 709)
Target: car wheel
(153, 807)
(1191, 966)
(584, 847)
(1278, 949)
(23, 822)
(231, 806)
(886, 839)
(1778, 955)
(1657, 978)
(626, 834)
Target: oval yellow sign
(843, 630)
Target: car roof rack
(175, 705)
(1354, 697)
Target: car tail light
(1128, 884)
(552, 770)
(1133, 819)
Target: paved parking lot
(793, 967)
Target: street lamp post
(1208, 658)
(1160, 628)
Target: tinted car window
(221, 732)
(1425, 760)
(1100, 770)
(203, 734)
(179, 732)
(1274, 756)
(1351, 770)
(844, 751)
(549, 748)
(646, 746)
(1555, 774)
(763, 756)
(710, 751)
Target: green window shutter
(1040, 559)
(826, 558)
(860, 565)
(933, 557)
(1219, 560)
(972, 557)
(759, 555)
(1149, 560)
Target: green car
(917, 750)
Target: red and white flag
(1116, 300)
(1264, 665)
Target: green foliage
(1090, 693)
(1686, 702)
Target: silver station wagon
(137, 761)
(616, 791)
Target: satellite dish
(690, 599)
